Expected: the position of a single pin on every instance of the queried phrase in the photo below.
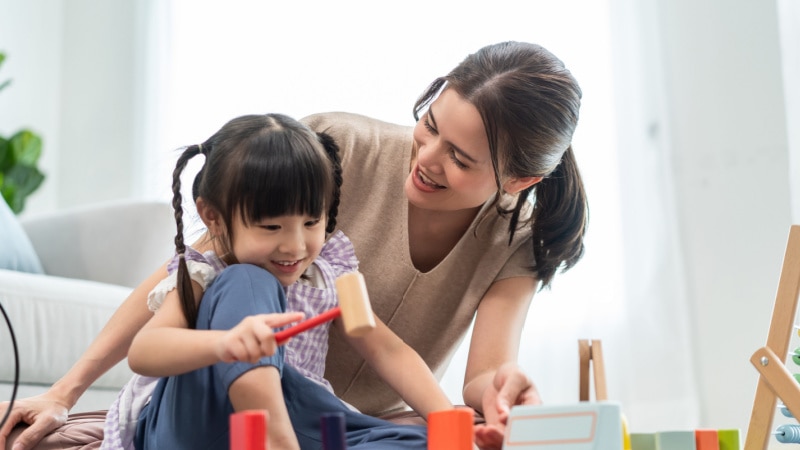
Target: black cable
(16, 366)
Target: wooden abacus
(775, 381)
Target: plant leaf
(24, 179)
(5, 155)
(26, 147)
(15, 202)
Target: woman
(464, 216)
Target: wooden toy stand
(775, 381)
(590, 353)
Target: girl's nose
(293, 244)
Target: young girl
(268, 193)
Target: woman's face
(452, 169)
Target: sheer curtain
(213, 61)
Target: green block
(643, 441)
(675, 440)
(729, 440)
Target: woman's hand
(510, 386)
(43, 413)
(253, 337)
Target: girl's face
(284, 245)
(452, 169)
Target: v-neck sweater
(431, 311)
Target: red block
(706, 439)
(450, 430)
(248, 430)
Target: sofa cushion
(55, 319)
(16, 250)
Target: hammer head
(357, 314)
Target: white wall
(74, 67)
(729, 141)
(30, 36)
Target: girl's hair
(529, 104)
(257, 166)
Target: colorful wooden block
(333, 431)
(248, 430)
(643, 441)
(729, 440)
(675, 440)
(451, 429)
(706, 439)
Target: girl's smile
(285, 246)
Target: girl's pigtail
(559, 220)
(333, 153)
(184, 280)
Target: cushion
(16, 250)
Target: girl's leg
(192, 410)
(307, 401)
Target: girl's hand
(509, 387)
(253, 337)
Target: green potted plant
(19, 155)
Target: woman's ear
(210, 217)
(516, 185)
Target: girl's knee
(241, 290)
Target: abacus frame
(774, 380)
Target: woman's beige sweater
(430, 311)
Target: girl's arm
(401, 367)
(493, 382)
(166, 345)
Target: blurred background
(689, 142)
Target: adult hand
(44, 413)
(510, 386)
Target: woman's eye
(456, 161)
(428, 126)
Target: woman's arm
(402, 368)
(496, 335)
(493, 382)
(46, 412)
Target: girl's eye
(455, 159)
(428, 126)
(271, 227)
(312, 223)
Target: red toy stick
(354, 309)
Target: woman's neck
(432, 235)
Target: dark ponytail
(559, 219)
(184, 280)
(333, 154)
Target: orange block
(248, 430)
(451, 429)
(706, 439)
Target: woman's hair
(529, 104)
(257, 166)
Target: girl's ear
(516, 185)
(210, 217)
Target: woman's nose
(430, 155)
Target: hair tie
(200, 148)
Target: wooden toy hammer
(354, 308)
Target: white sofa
(93, 256)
